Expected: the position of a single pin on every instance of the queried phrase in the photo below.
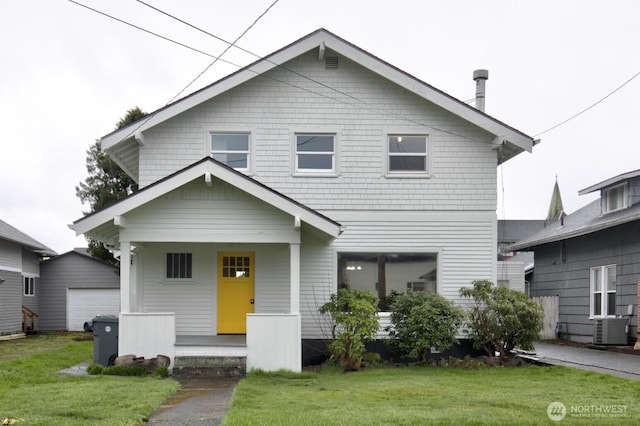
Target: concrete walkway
(599, 361)
(201, 401)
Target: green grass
(429, 395)
(32, 390)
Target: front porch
(272, 342)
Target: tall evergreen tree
(106, 184)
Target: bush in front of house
(421, 321)
(354, 317)
(502, 319)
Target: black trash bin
(105, 339)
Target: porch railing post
(125, 276)
(294, 262)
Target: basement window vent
(331, 63)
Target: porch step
(215, 366)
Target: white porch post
(294, 262)
(125, 276)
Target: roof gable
(207, 168)
(9, 233)
(124, 141)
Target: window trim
(247, 152)
(407, 173)
(189, 269)
(606, 196)
(31, 292)
(604, 292)
(316, 172)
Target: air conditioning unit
(610, 331)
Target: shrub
(117, 370)
(502, 319)
(422, 321)
(355, 321)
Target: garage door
(84, 304)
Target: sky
(68, 74)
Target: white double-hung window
(232, 149)
(407, 154)
(603, 291)
(315, 153)
(614, 198)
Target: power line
(362, 104)
(589, 107)
(229, 45)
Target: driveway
(585, 358)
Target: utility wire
(230, 45)
(589, 107)
(362, 104)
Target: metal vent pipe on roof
(480, 77)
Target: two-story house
(317, 167)
(590, 259)
(20, 292)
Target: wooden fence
(551, 317)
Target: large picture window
(603, 291)
(407, 153)
(231, 149)
(315, 153)
(386, 274)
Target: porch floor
(236, 340)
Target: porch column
(294, 262)
(125, 276)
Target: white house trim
(314, 40)
(198, 170)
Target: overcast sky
(68, 74)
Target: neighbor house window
(388, 274)
(407, 153)
(603, 291)
(179, 266)
(315, 153)
(614, 198)
(231, 149)
(29, 286)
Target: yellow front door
(235, 291)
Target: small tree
(106, 183)
(502, 319)
(422, 321)
(355, 321)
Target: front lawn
(32, 391)
(432, 395)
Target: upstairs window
(603, 291)
(407, 153)
(179, 266)
(315, 153)
(614, 198)
(29, 286)
(231, 149)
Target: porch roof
(207, 168)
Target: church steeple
(556, 210)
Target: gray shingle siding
(569, 279)
(70, 270)
(11, 297)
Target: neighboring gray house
(317, 167)
(20, 289)
(591, 260)
(77, 287)
(515, 268)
